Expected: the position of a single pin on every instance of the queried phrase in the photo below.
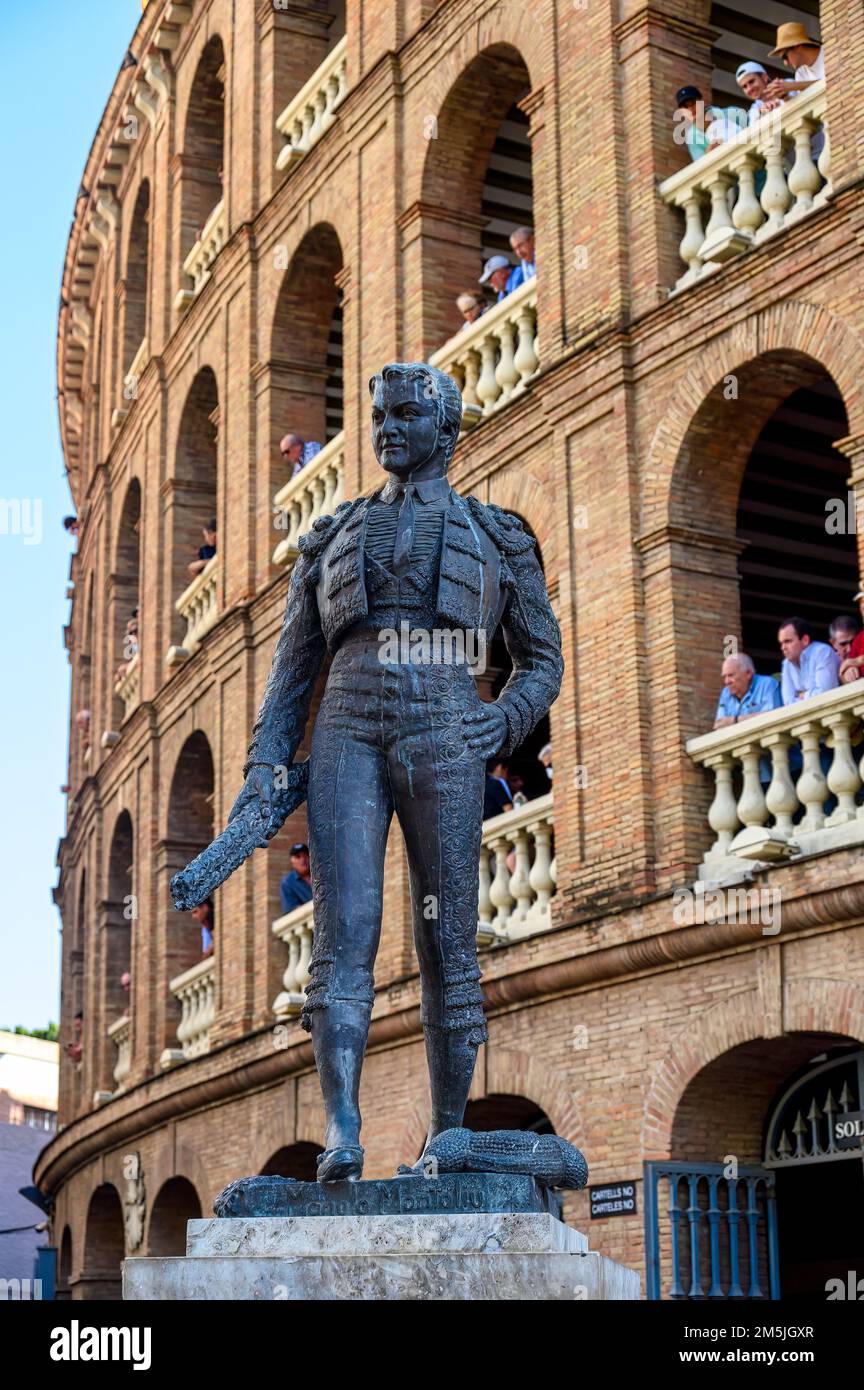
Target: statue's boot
(451, 1054)
(339, 1035)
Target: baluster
(716, 1288)
(485, 906)
(823, 164)
(471, 402)
(775, 195)
(305, 932)
(692, 240)
(804, 178)
(782, 798)
(506, 374)
(520, 887)
(723, 813)
(526, 361)
(487, 386)
(753, 1232)
(339, 493)
(295, 524)
(290, 978)
(316, 491)
(676, 1288)
(540, 877)
(843, 777)
(751, 804)
(812, 787)
(694, 1216)
(733, 1216)
(499, 891)
(747, 215)
(720, 223)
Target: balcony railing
(780, 149)
(197, 264)
(128, 687)
(788, 818)
(314, 108)
(295, 929)
(317, 490)
(195, 990)
(494, 359)
(120, 1033)
(199, 609)
(515, 898)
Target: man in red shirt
(852, 658)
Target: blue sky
(57, 66)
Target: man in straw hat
(797, 50)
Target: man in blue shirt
(522, 241)
(744, 693)
(809, 668)
(496, 273)
(296, 887)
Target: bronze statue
(387, 585)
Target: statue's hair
(441, 388)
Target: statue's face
(404, 426)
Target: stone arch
(453, 228)
(189, 829)
(795, 335)
(118, 912)
(194, 496)
(175, 1203)
(306, 341)
(137, 266)
(297, 1160)
(104, 1246)
(126, 588)
(810, 1006)
(202, 176)
(64, 1266)
(521, 491)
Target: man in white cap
(496, 272)
(803, 54)
(753, 80)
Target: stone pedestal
(410, 1238)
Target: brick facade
(619, 1025)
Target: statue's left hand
(486, 729)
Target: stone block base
(437, 1257)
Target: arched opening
(740, 1211)
(64, 1267)
(791, 563)
(297, 1161)
(306, 346)
(75, 1035)
(137, 258)
(176, 1203)
(477, 186)
(104, 1247)
(193, 500)
(190, 829)
(507, 1112)
(125, 600)
(119, 913)
(203, 157)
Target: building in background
(28, 1117)
(278, 200)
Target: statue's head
(416, 415)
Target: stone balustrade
(788, 149)
(136, 371)
(513, 903)
(313, 109)
(195, 990)
(197, 265)
(316, 491)
(515, 899)
(295, 929)
(128, 687)
(494, 359)
(813, 761)
(199, 608)
(120, 1033)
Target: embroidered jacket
(489, 574)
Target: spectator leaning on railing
(852, 660)
(206, 551)
(744, 692)
(753, 80)
(809, 668)
(496, 274)
(799, 51)
(522, 242)
(704, 127)
(471, 307)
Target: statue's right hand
(257, 791)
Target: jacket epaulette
(505, 529)
(322, 531)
